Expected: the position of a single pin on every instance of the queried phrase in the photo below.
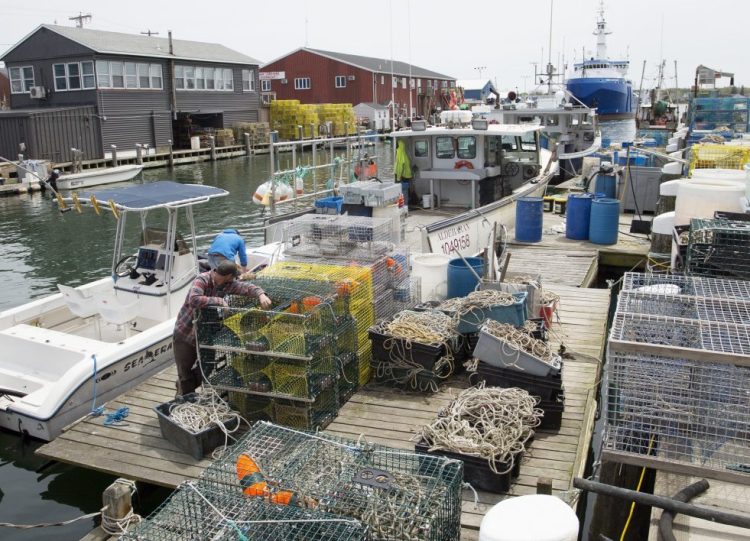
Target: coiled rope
(488, 422)
(520, 340)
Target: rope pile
(208, 409)
(485, 298)
(520, 340)
(429, 328)
(488, 422)
(525, 279)
(548, 297)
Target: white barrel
(672, 168)
(433, 269)
(195, 143)
(699, 199)
(535, 517)
(663, 224)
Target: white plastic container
(427, 201)
(699, 199)
(719, 174)
(672, 168)
(195, 143)
(671, 147)
(663, 224)
(535, 517)
(433, 269)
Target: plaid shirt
(204, 293)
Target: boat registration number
(467, 238)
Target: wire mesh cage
(195, 512)
(709, 336)
(719, 248)
(717, 288)
(340, 236)
(685, 306)
(694, 412)
(398, 495)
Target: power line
(149, 33)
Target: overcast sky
(451, 37)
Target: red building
(315, 76)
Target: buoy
(535, 517)
(262, 195)
(299, 185)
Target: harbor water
(40, 248)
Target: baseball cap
(227, 268)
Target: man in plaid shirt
(208, 289)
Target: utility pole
(480, 69)
(80, 18)
(149, 33)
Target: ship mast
(601, 33)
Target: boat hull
(115, 372)
(612, 97)
(121, 173)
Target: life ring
(461, 164)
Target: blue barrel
(529, 216)
(607, 184)
(579, 215)
(461, 281)
(605, 218)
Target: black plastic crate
(385, 372)
(477, 471)
(553, 411)
(196, 445)
(547, 388)
(422, 354)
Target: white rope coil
(520, 340)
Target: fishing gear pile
(415, 349)
(520, 339)
(487, 422)
(280, 483)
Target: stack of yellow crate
(338, 114)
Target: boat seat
(78, 303)
(114, 311)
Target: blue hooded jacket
(229, 243)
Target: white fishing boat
(97, 177)
(64, 354)
(471, 174)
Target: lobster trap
(396, 494)
(719, 248)
(194, 512)
(354, 238)
(678, 369)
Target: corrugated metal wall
(50, 134)
(131, 117)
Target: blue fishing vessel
(602, 83)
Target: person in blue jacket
(225, 246)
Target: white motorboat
(97, 177)
(63, 355)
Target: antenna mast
(80, 19)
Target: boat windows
(421, 148)
(509, 143)
(444, 148)
(467, 147)
(528, 141)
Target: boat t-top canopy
(515, 130)
(161, 194)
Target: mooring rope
(488, 422)
(519, 340)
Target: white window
(419, 83)
(156, 79)
(445, 84)
(61, 78)
(131, 75)
(118, 80)
(302, 83)
(144, 80)
(394, 82)
(21, 79)
(340, 81)
(228, 79)
(403, 82)
(208, 75)
(102, 74)
(74, 76)
(248, 80)
(265, 86)
(382, 79)
(189, 77)
(411, 83)
(200, 81)
(218, 79)
(197, 77)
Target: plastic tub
(579, 216)
(497, 352)
(461, 279)
(330, 205)
(529, 219)
(433, 270)
(547, 388)
(700, 199)
(196, 445)
(514, 314)
(605, 221)
(606, 184)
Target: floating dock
(136, 450)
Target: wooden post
(246, 138)
(117, 500)
(212, 144)
(171, 153)
(544, 486)
(138, 154)
(114, 155)
(313, 135)
(300, 133)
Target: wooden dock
(138, 451)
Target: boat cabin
(470, 165)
